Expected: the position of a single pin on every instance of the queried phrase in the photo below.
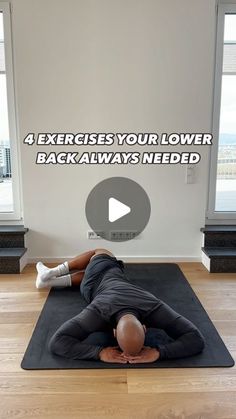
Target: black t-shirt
(110, 292)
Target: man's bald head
(130, 334)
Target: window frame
(211, 214)
(16, 214)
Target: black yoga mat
(167, 282)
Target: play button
(118, 209)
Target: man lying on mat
(115, 303)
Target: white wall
(107, 66)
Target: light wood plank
(225, 301)
(201, 405)
(10, 362)
(18, 317)
(225, 327)
(26, 383)
(178, 380)
(222, 314)
(22, 301)
(12, 331)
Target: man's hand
(112, 354)
(147, 354)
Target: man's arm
(188, 340)
(68, 339)
(75, 348)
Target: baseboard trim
(24, 261)
(206, 261)
(128, 259)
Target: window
(9, 178)
(222, 194)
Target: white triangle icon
(117, 210)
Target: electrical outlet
(122, 235)
(94, 235)
(190, 174)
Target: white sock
(46, 273)
(62, 281)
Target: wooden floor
(84, 394)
